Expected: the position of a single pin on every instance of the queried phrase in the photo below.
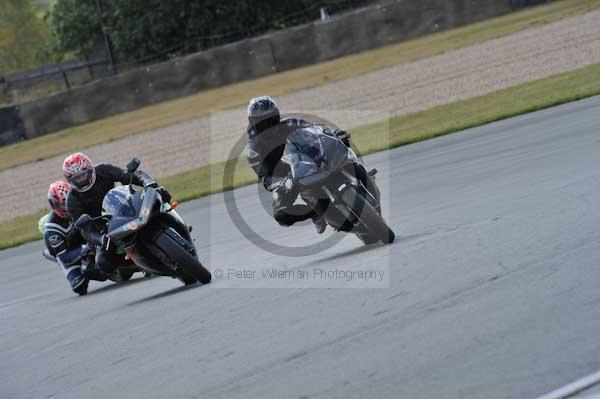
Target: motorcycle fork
(363, 181)
(335, 190)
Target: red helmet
(79, 171)
(57, 197)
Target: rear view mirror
(133, 165)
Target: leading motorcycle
(333, 181)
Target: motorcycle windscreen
(119, 202)
(122, 206)
(308, 152)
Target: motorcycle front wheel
(368, 216)
(178, 254)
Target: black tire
(192, 268)
(126, 274)
(368, 216)
(188, 279)
(367, 239)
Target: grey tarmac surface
(492, 290)
(591, 393)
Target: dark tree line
(159, 29)
(24, 37)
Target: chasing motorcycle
(149, 231)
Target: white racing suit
(66, 245)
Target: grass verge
(438, 121)
(198, 105)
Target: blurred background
(48, 46)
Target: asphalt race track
(491, 290)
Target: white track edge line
(574, 387)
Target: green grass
(20, 230)
(198, 105)
(502, 104)
(394, 132)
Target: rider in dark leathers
(62, 241)
(267, 135)
(90, 185)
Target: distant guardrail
(44, 81)
(53, 70)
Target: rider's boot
(77, 280)
(320, 224)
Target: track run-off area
(479, 69)
(490, 291)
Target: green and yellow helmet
(42, 223)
